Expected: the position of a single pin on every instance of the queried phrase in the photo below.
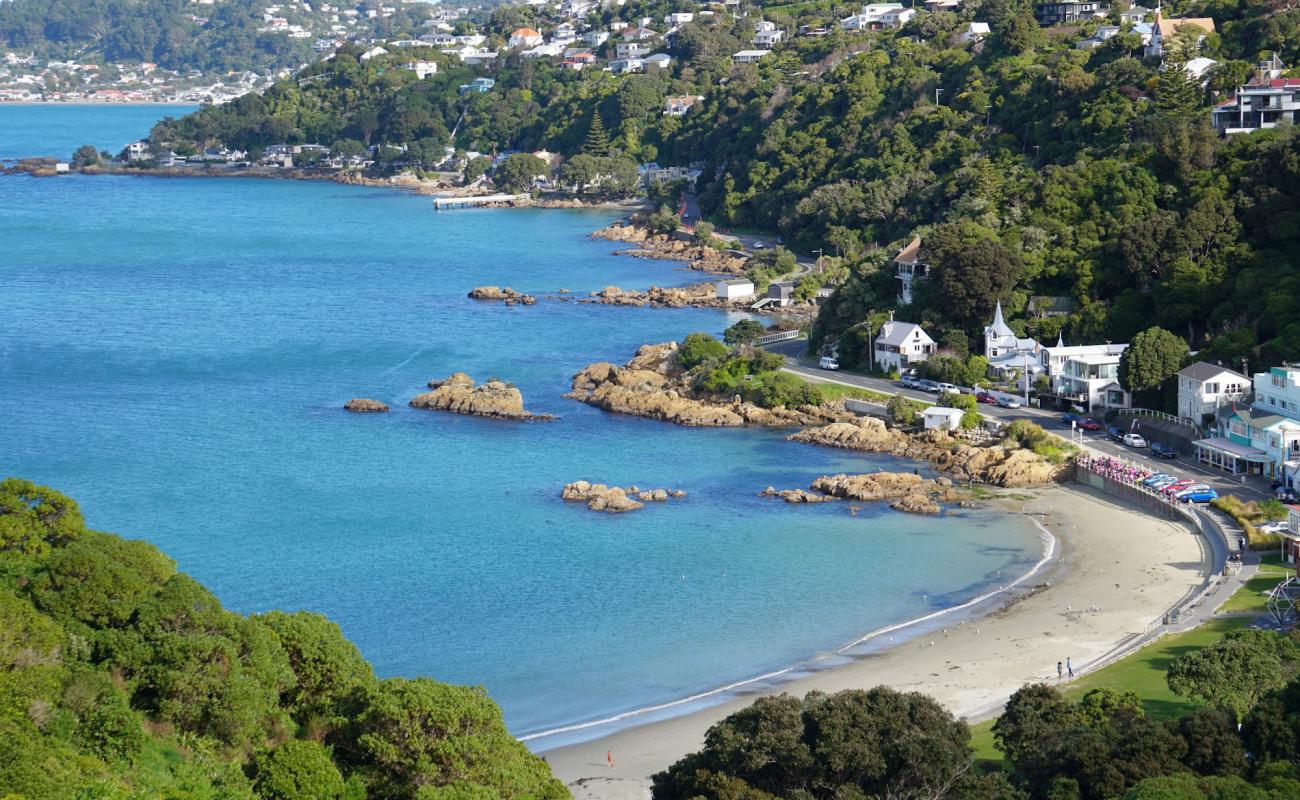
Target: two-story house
(873, 17)
(1069, 11)
(1263, 439)
(1265, 101)
(1091, 380)
(909, 267)
(900, 346)
(767, 35)
(1205, 388)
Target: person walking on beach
(1069, 667)
(1059, 673)
(609, 756)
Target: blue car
(1162, 450)
(1069, 417)
(1199, 496)
(1151, 480)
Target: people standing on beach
(1059, 672)
(609, 756)
(1069, 667)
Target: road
(798, 363)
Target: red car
(1090, 424)
(985, 397)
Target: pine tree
(597, 142)
(1178, 92)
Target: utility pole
(937, 92)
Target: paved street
(803, 366)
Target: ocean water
(174, 354)
(57, 130)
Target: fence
(783, 336)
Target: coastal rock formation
(615, 499)
(507, 295)
(363, 405)
(996, 464)
(916, 504)
(797, 495)
(669, 247)
(910, 492)
(653, 385)
(461, 395)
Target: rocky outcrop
(364, 405)
(653, 385)
(507, 295)
(910, 492)
(615, 499)
(666, 246)
(459, 394)
(996, 464)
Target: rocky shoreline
(460, 394)
(616, 499)
(654, 385)
(910, 492)
(667, 247)
(996, 465)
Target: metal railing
(1160, 415)
(783, 336)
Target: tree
(1149, 360)
(743, 332)
(297, 770)
(1178, 92)
(35, 518)
(698, 348)
(597, 141)
(1034, 716)
(664, 220)
(972, 271)
(1213, 746)
(475, 168)
(86, 156)
(704, 232)
(901, 410)
(518, 171)
(1234, 673)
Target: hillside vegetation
(1043, 169)
(121, 678)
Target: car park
(1162, 450)
(828, 362)
(1134, 440)
(1008, 402)
(1089, 424)
(1115, 433)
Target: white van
(828, 363)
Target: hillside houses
(1267, 100)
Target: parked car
(1156, 478)
(947, 387)
(1168, 480)
(1277, 526)
(1162, 450)
(759, 245)
(828, 363)
(1176, 487)
(1193, 487)
(1134, 440)
(1069, 417)
(927, 385)
(985, 397)
(1089, 424)
(1200, 496)
(1288, 496)
(1009, 402)
(1115, 433)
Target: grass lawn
(1250, 597)
(1142, 672)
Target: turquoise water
(174, 353)
(54, 129)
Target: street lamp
(937, 92)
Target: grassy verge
(1248, 514)
(1250, 597)
(1142, 672)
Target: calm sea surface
(174, 353)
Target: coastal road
(799, 363)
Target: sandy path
(1117, 570)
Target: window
(1279, 382)
(1211, 388)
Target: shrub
(297, 769)
(743, 332)
(772, 389)
(697, 348)
(901, 410)
(1246, 515)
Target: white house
(942, 418)
(735, 289)
(678, 105)
(908, 267)
(1092, 381)
(767, 35)
(873, 17)
(658, 61)
(897, 18)
(1054, 358)
(901, 345)
(422, 69)
(1204, 388)
(679, 18)
(137, 151)
(1265, 101)
(525, 37)
(975, 32)
(595, 38)
(373, 52)
(1007, 352)
(750, 56)
(631, 50)
(1163, 29)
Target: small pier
(440, 203)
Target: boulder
(615, 499)
(459, 394)
(507, 295)
(916, 504)
(364, 405)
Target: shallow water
(174, 352)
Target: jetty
(440, 203)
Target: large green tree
(1150, 359)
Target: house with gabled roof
(909, 267)
(900, 346)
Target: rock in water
(507, 295)
(459, 394)
(364, 405)
(600, 497)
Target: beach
(1115, 570)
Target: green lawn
(1250, 597)
(1142, 672)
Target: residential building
(942, 418)
(478, 86)
(1264, 102)
(900, 346)
(564, 33)
(908, 267)
(750, 56)
(679, 18)
(871, 17)
(631, 50)
(1069, 11)
(1134, 15)
(1046, 306)
(767, 35)
(579, 61)
(1164, 29)
(975, 32)
(658, 61)
(1205, 388)
(638, 34)
(137, 151)
(678, 105)
(738, 289)
(1098, 38)
(934, 6)
(1055, 358)
(1092, 381)
(897, 18)
(595, 38)
(1007, 353)
(549, 50)
(422, 69)
(780, 293)
(620, 66)
(524, 37)
(373, 52)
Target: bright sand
(1116, 569)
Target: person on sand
(609, 756)
(1069, 667)
(1059, 672)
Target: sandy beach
(1116, 569)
